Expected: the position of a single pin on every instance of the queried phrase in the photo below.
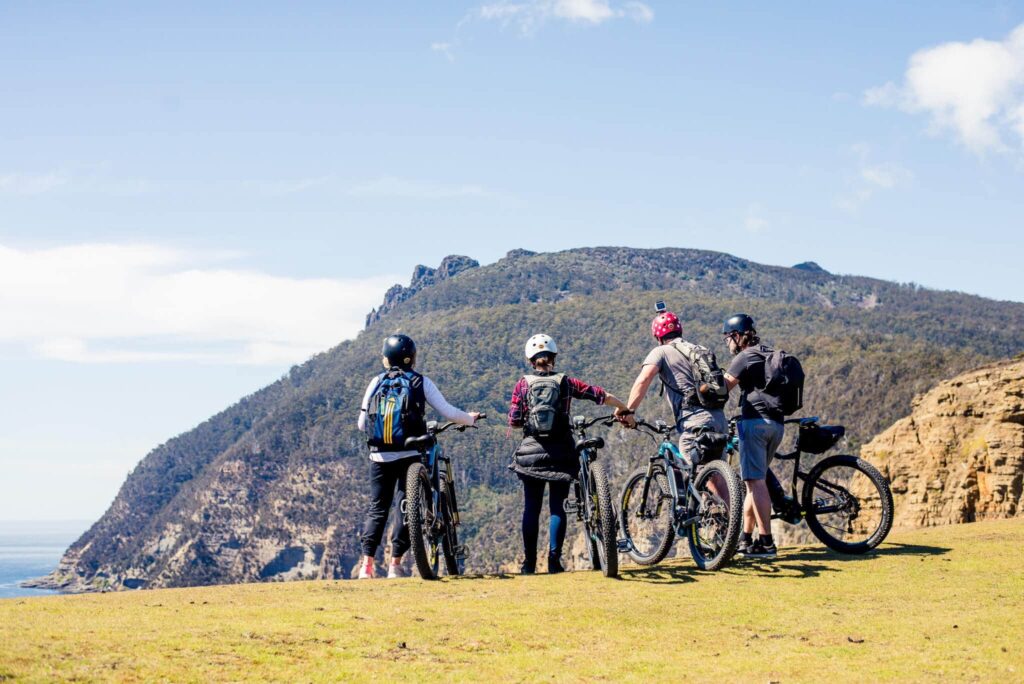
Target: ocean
(30, 549)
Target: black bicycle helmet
(740, 323)
(400, 351)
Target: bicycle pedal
(571, 507)
(624, 545)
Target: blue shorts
(759, 440)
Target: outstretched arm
(441, 405)
(641, 385)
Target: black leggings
(533, 491)
(383, 479)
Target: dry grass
(938, 604)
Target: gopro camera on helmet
(659, 306)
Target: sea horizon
(32, 548)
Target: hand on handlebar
(476, 415)
(626, 418)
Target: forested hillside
(273, 487)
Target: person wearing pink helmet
(694, 386)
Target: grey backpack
(712, 392)
(543, 398)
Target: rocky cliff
(959, 456)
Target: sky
(196, 196)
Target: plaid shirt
(577, 390)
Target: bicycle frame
(672, 458)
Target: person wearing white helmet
(541, 404)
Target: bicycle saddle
(713, 442)
(422, 442)
(590, 443)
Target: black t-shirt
(748, 368)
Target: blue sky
(195, 196)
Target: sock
(748, 538)
(766, 540)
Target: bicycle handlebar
(458, 426)
(578, 424)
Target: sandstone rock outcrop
(959, 456)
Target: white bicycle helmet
(540, 343)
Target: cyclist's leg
(400, 532)
(717, 421)
(533, 499)
(755, 435)
(558, 492)
(382, 492)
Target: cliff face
(959, 456)
(422, 277)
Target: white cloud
(530, 16)
(445, 49)
(31, 183)
(755, 221)
(871, 178)
(974, 90)
(103, 303)
(94, 179)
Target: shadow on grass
(808, 562)
(890, 549)
(490, 576)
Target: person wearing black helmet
(760, 430)
(398, 385)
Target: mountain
(274, 487)
(959, 455)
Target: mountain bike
(430, 508)
(592, 498)
(674, 495)
(845, 500)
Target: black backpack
(784, 380)
(712, 392)
(543, 404)
(396, 410)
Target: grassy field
(938, 604)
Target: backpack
(784, 380)
(543, 404)
(396, 410)
(712, 392)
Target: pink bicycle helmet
(665, 323)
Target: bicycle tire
(607, 544)
(710, 525)
(813, 505)
(653, 544)
(419, 518)
(450, 536)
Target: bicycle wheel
(712, 538)
(603, 532)
(848, 504)
(419, 516)
(449, 535)
(647, 519)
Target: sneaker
(527, 568)
(396, 570)
(554, 565)
(760, 550)
(366, 567)
(742, 547)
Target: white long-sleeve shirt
(433, 397)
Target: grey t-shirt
(748, 368)
(675, 371)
